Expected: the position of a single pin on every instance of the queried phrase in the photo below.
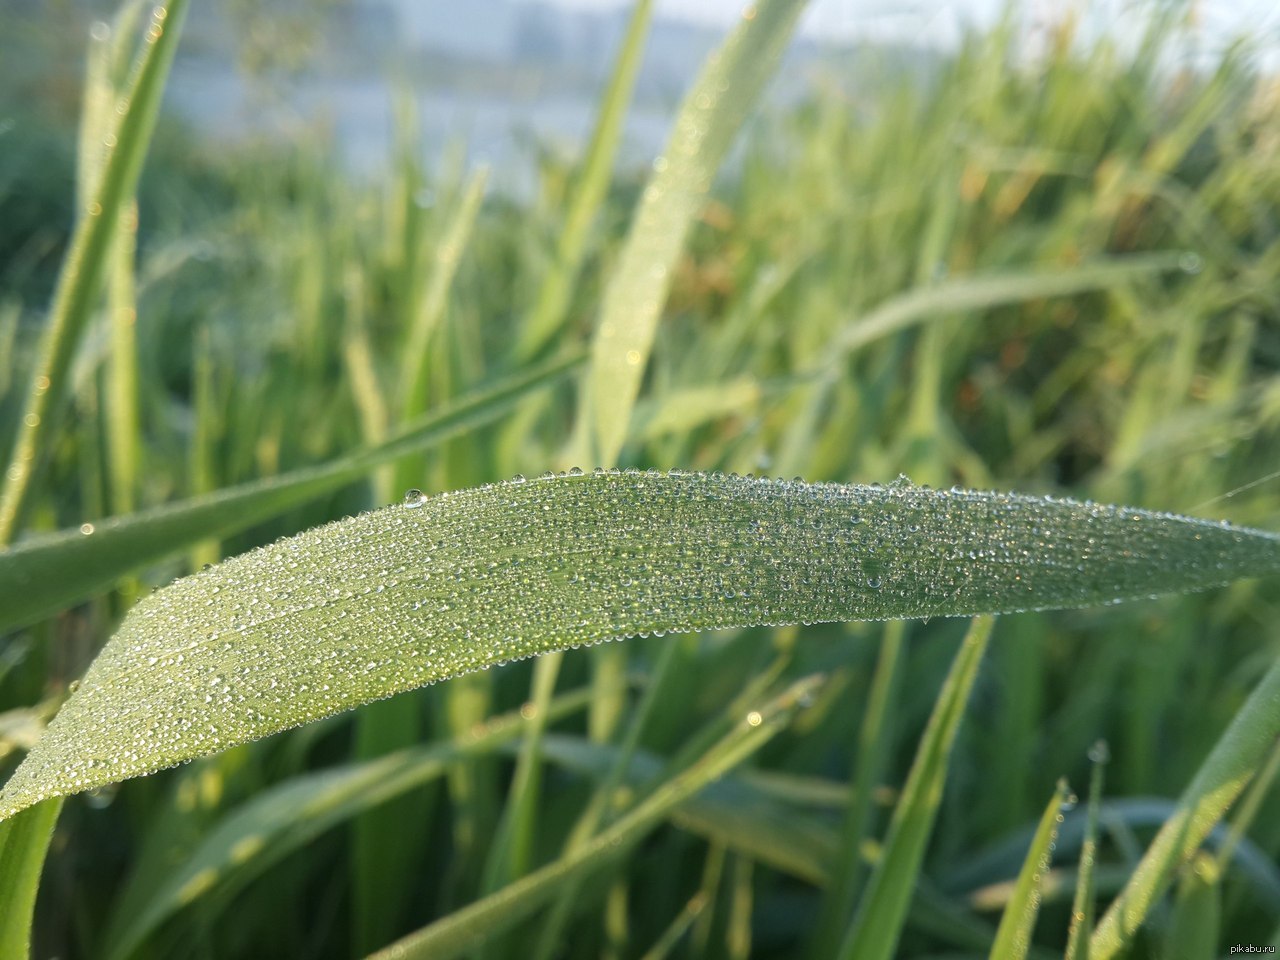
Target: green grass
(1054, 278)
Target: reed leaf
(435, 587)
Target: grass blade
(984, 291)
(41, 576)
(397, 598)
(413, 373)
(874, 742)
(1013, 938)
(878, 924)
(709, 118)
(556, 288)
(1083, 905)
(1197, 912)
(1239, 753)
(86, 260)
(24, 841)
(474, 924)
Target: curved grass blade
(45, 574)
(86, 259)
(1239, 753)
(24, 842)
(289, 815)
(710, 117)
(986, 290)
(876, 927)
(473, 925)
(408, 595)
(1013, 938)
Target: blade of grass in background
(1239, 753)
(86, 259)
(24, 841)
(413, 371)
(593, 181)
(709, 118)
(984, 292)
(877, 925)
(870, 760)
(47, 573)
(1197, 912)
(392, 599)
(1084, 903)
(1013, 938)
(473, 925)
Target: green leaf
(710, 117)
(400, 597)
(984, 291)
(876, 927)
(597, 169)
(45, 574)
(86, 260)
(24, 841)
(1013, 938)
(1083, 904)
(1240, 753)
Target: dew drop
(413, 498)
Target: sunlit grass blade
(435, 587)
(86, 259)
(877, 926)
(1083, 905)
(593, 181)
(24, 841)
(1239, 753)
(711, 115)
(413, 372)
(474, 924)
(982, 292)
(1013, 937)
(291, 814)
(41, 576)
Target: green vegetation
(1055, 277)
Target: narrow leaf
(1013, 938)
(984, 291)
(82, 271)
(1083, 904)
(589, 192)
(404, 596)
(710, 117)
(24, 841)
(45, 574)
(876, 927)
(1239, 753)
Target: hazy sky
(1217, 21)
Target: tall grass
(1055, 277)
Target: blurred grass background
(276, 300)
